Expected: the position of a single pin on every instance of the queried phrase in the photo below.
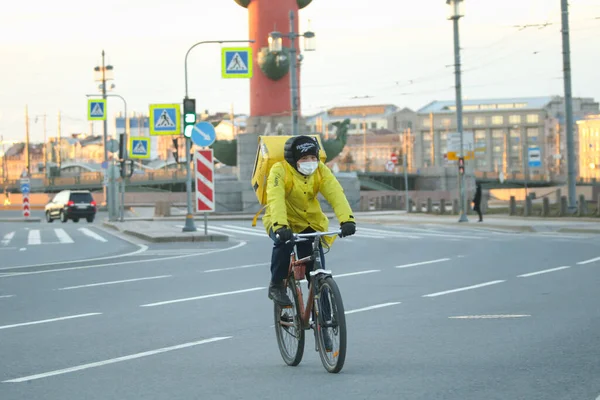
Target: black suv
(71, 204)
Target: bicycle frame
(297, 271)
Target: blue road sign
(203, 134)
(236, 62)
(534, 157)
(139, 147)
(25, 188)
(96, 110)
(165, 119)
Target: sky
(380, 52)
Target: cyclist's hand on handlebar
(348, 229)
(284, 234)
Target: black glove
(284, 234)
(348, 229)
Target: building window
(497, 120)
(426, 123)
(465, 121)
(446, 122)
(514, 119)
(533, 118)
(373, 125)
(479, 121)
(533, 134)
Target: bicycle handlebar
(296, 236)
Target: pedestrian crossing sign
(236, 62)
(96, 110)
(139, 147)
(165, 119)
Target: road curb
(20, 220)
(168, 238)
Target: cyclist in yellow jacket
(299, 210)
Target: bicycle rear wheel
(289, 329)
(332, 320)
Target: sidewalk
(162, 232)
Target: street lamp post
(455, 13)
(275, 46)
(190, 225)
(124, 144)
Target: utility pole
(564, 6)
(58, 146)
(45, 149)
(27, 160)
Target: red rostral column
(269, 85)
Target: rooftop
(474, 105)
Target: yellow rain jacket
(299, 207)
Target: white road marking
(13, 274)
(357, 273)
(22, 249)
(423, 263)
(141, 249)
(116, 360)
(63, 236)
(34, 237)
(7, 238)
(371, 231)
(462, 289)
(115, 282)
(364, 235)
(92, 234)
(238, 267)
(203, 297)
(589, 261)
(490, 316)
(247, 229)
(49, 320)
(238, 231)
(542, 272)
(371, 307)
(7, 296)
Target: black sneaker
(278, 295)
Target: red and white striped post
(205, 183)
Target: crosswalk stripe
(92, 234)
(7, 238)
(34, 237)
(63, 236)
(220, 228)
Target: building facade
(589, 147)
(362, 119)
(503, 131)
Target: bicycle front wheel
(331, 325)
(289, 329)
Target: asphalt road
(432, 313)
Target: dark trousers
(280, 257)
(477, 209)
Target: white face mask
(308, 168)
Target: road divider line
(43, 321)
(33, 237)
(115, 282)
(542, 272)
(13, 274)
(589, 261)
(141, 249)
(357, 310)
(357, 273)
(63, 236)
(463, 289)
(6, 296)
(115, 360)
(490, 316)
(388, 234)
(7, 238)
(238, 267)
(206, 296)
(439, 260)
(238, 231)
(92, 234)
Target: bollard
(410, 206)
(429, 205)
(512, 207)
(598, 207)
(581, 209)
(528, 207)
(558, 196)
(563, 206)
(545, 207)
(455, 207)
(443, 206)
(418, 205)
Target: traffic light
(122, 153)
(461, 166)
(189, 116)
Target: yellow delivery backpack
(269, 152)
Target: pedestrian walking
(477, 202)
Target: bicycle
(324, 299)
